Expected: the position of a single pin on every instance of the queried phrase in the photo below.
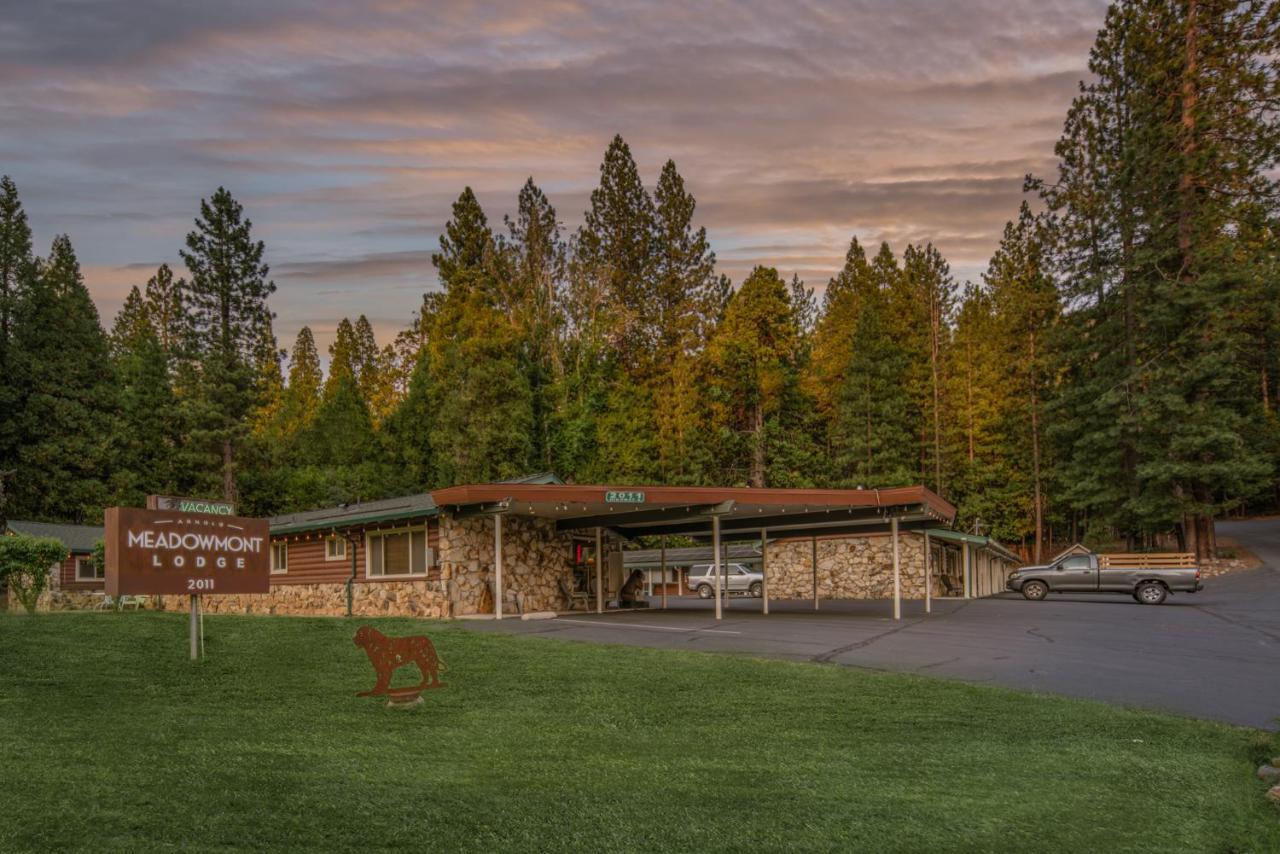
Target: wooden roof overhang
(743, 512)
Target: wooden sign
(165, 551)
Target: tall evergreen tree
(17, 274)
(230, 320)
(1166, 162)
(302, 393)
(608, 429)
(536, 284)
(924, 301)
(60, 353)
(1026, 306)
(147, 428)
(477, 386)
(753, 363)
(873, 425)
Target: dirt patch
(1232, 557)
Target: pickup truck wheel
(1035, 590)
(757, 589)
(1150, 593)
(704, 591)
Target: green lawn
(112, 740)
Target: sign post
(161, 551)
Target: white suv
(738, 579)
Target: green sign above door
(624, 497)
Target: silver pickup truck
(1149, 578)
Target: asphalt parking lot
(1214, 654)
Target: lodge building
(540, 545)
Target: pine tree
(341, 432)
(752, 356)
(537, 280)
(147, 428)
(342, 355)
(64, 421)
(926, 300)
(477, 386)
(688, 303)
(1165, 166)
(833, 339)
(615, 252)
(227, 303)
(608, 428)
(17, 264)
(17, 274)
(167, 311)
(302, 394)
(873, 425)
(1026, 307)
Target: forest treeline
(1113, 374)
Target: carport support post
(764, 568)
(814, 560)
(599, 574)
(497, 566)
(715, 553)
(928, 573)
(664, 572)
(897, 571)
(968, 571)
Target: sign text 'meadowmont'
(149, 539)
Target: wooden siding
(308, 565)
(67, 576)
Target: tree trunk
(1037, 497)
(228, 472)
(757, 449)
(968, 393)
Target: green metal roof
(79, 539)
(363, 513)
(973, 540)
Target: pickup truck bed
(1149, 578)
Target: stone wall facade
(848, 568)
(60, 600)
(535, 558)
(417, 598)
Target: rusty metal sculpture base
(404, 698)
(389, 654)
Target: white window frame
(83, 560)
(427, 558)
(284, 546)
(328, 555)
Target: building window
(335, 548)
(392, 554)
(87, 570)
(279, 557)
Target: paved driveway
(1215, 654)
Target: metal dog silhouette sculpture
(389, 654)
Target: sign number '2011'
(199, 585)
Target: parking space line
(613, 624)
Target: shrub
(25, 564)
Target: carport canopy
(702, 513)
(635, 511)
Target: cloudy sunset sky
(346, 129)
